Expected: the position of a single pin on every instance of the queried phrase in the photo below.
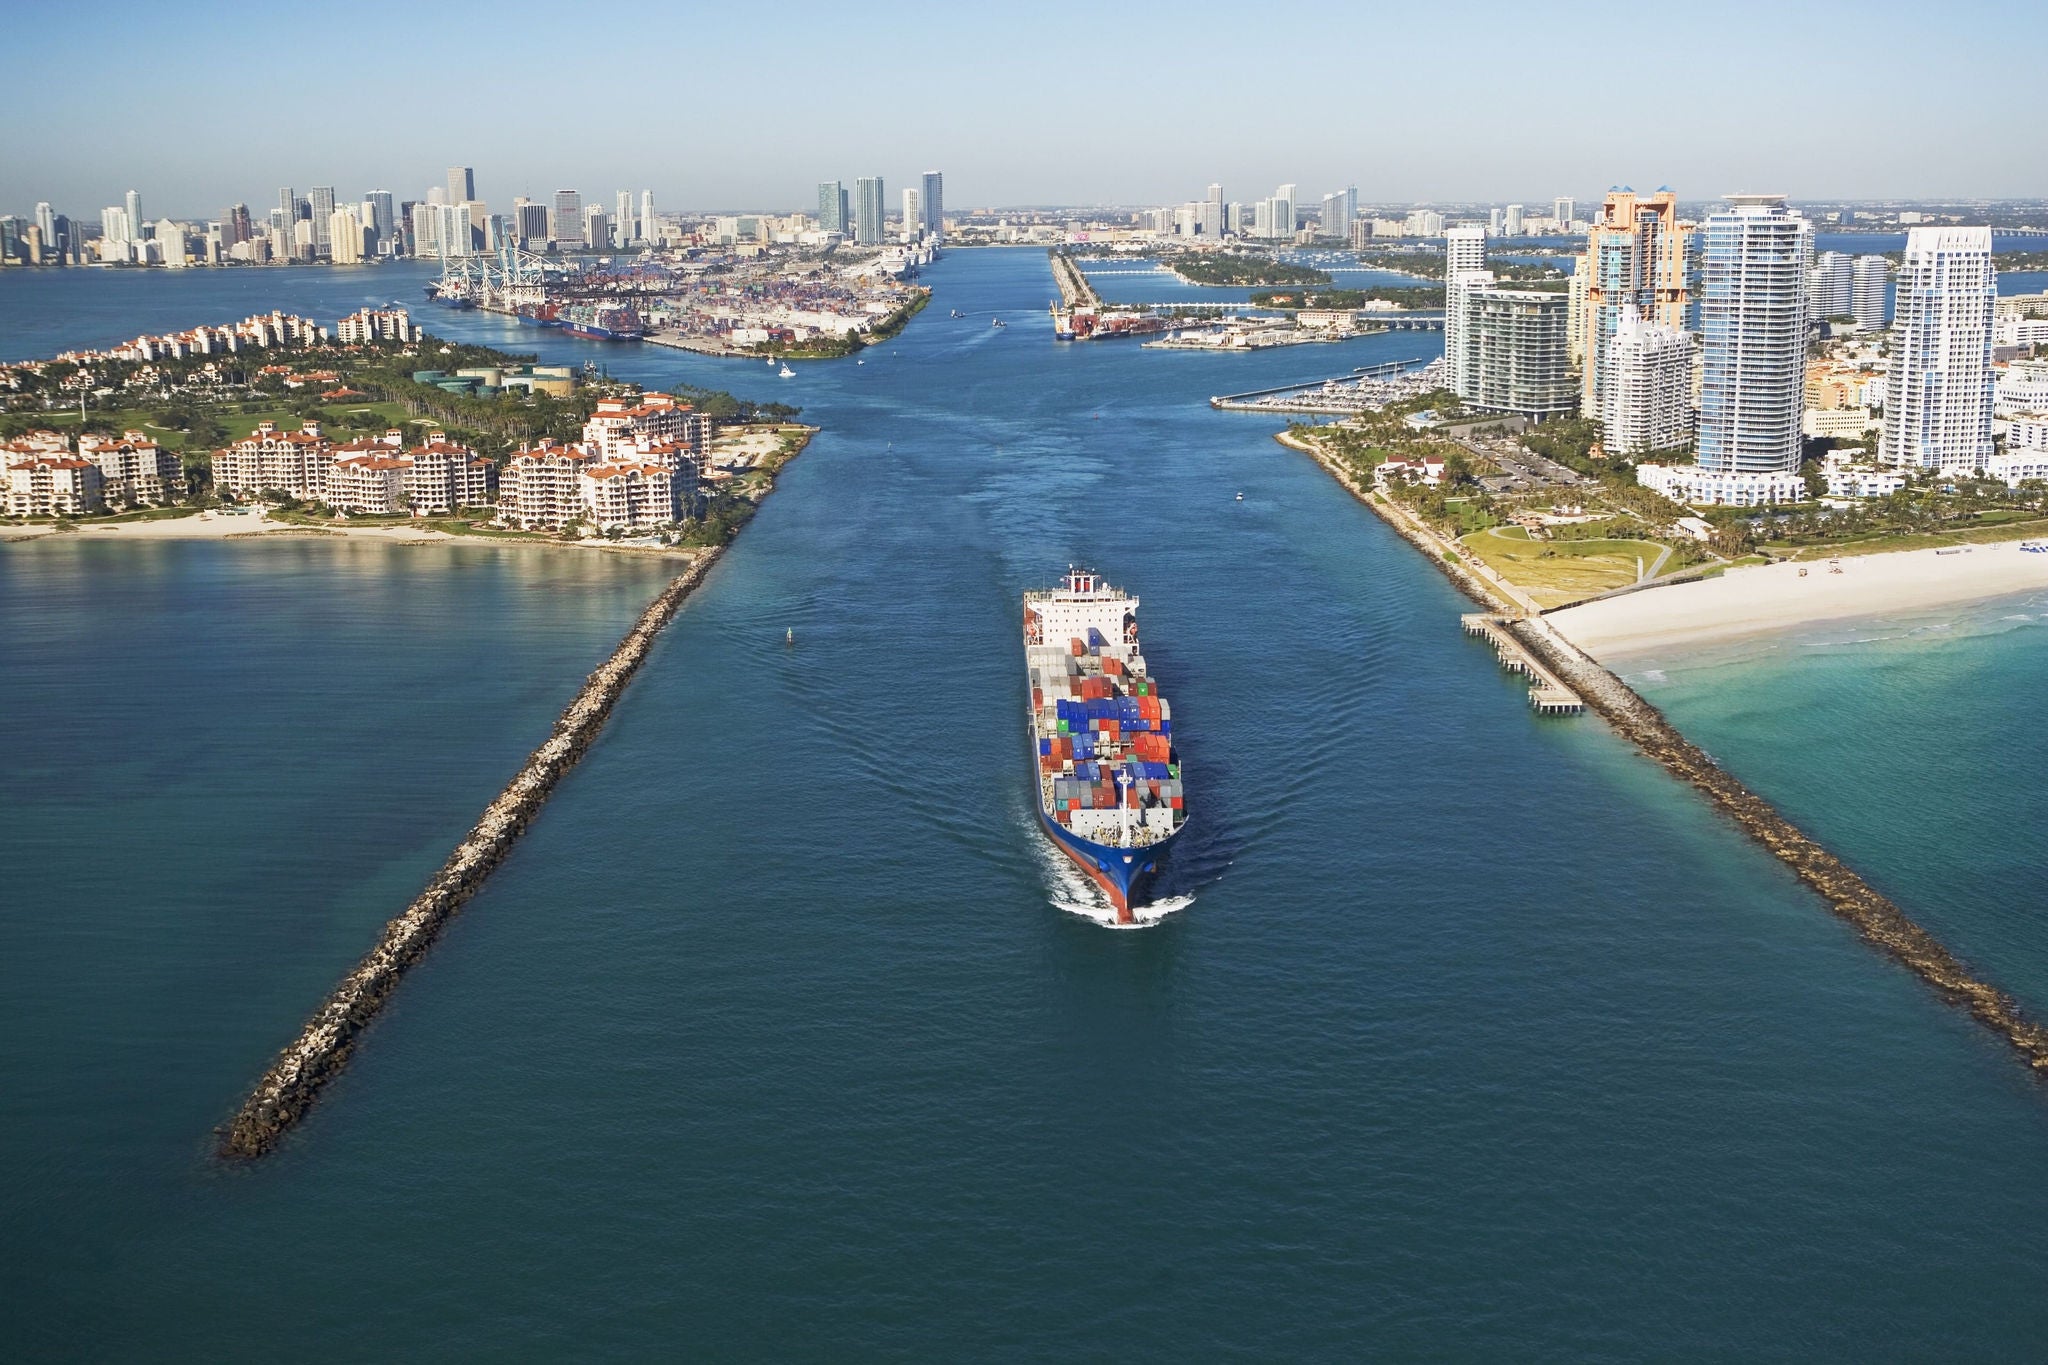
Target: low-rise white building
(1847, 424)
(1863, 481)
(2016, 467)
(2027, 430)
(1688, 483)
(2022, 387)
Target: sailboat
(786, 372)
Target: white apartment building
(367, 485)
(541, 487)
(133, 468)
(290, 462)
(1464, 269)
(442, 477)
(1647, 400)
(1870, 278)
(376, 324)
(2027, 430)
(1516, 351)
(1940, 390)
(1847, 480)
(1690, 484)
(54, 486)
(621, 426)
(1753, 337)
(2016, 467)
(629, 496)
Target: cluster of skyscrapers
(1695, 335)
(1275, 218)
(860, 217)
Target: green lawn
(238, 423)
(1556, 572)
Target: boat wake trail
(1069, 891)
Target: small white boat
(786, 372)
(1240, 497)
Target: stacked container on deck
(1100, 724)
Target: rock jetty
(322, 1048)
(1880, 921)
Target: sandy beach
(1763, 598)
(255, 525)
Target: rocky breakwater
(322, 1047)
(1881, 922)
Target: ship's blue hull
(1122, 873)
(597, 333)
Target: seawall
(1881, 922)
(289, 1088)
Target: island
(374, 427)
(1241, 268)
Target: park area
(1555, 572)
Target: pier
(1547, 693)
(322, 1048)
(1386, 369)
(1075, 291)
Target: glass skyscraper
(1938, 397)
(868, 208)
(1753, 336)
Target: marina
(1365, 389)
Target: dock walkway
(1547, 692)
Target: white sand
(211, 525)
(1760, 598)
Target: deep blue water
(1479, 1039)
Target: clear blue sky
(197, 105)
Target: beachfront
(1759, 599)
(256, 524)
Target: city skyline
(1422, 147)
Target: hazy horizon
(1066, 107)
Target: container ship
(544, 314)
(601, 321)
(1109, 777)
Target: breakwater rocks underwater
(1880, 921)
(322, 1048)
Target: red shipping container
(1176, 802)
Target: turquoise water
(1479, 1037)
(1918, 745)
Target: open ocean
(1478, 1037)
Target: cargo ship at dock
(601, 321)
(1108, 773)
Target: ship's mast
(1123, 805)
